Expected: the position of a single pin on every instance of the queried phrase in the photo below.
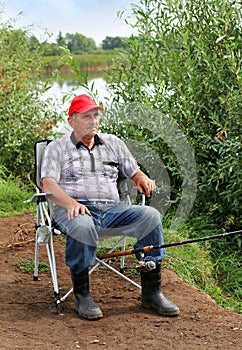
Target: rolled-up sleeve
(127, 163)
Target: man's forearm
(59, 197)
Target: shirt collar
(97, 141)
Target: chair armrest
(39, 197)
(143, 199)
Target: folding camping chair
(45, 231)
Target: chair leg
(52, 262)
(43, 221)
(122, 259)
(36, 253)
(102, 262)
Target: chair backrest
(39, 149)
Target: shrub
(25, 116)
(186, 63)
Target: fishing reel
(145, 264)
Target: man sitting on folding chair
(81, 171)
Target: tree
(47, 49)
(78, 43)
(33, 43)
(60, 40)
(186, 62)
(50, 49)
(111, 43)
(24, 116)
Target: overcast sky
(93, 18)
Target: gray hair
(73, 116)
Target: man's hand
(75, 209)
(62, 199)
(144, 183)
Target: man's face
(86, 124)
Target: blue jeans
(108, 220)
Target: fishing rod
(167, 245)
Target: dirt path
(28, 318)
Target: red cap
(82, 104)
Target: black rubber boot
(84, 303)
(151, 295)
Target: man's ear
(70, 121)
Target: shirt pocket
(110, 169)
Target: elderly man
(81, 171)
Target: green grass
(86, 62)
(27, 266)
(13, 197)
(195, 265)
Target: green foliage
(78, 43)
(27, 266)
(96, 63)
(186, 62)
(227, 261)
(13, 193)
(228, 272)
(25, 116)
(191, 262)
(225, 255)
(111, 43)
(88, 62)
(218, 273)
(81, 77)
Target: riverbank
(86, 62)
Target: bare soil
(29, 320)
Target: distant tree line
(77, 44)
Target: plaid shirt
(89, 175)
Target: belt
(102, 202)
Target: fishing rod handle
(125, 252)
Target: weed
(12, 196)
(27, 265)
